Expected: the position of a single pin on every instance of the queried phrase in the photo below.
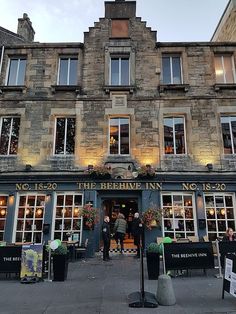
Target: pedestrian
(106, 237)
(137, 228)
(120, 231)
(229, 235)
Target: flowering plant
(100, 171)
(90, 215)
(152, 217)
(146, 171)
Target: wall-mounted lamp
(11, 194)
(209, 167)
(90, 167)
(28, 167)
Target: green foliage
(61, 250)
(153, 248)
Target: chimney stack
(25, 28)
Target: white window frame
(223, 68)
(25, 218)
(194, 219)
(119, 153)
(231, 133)
(65, 137)
(17, 72)
(171, 56)
(174, 140)
(10, 133)
(120, 58)
(79, 231)
(216, 219)
(68, 70)
(4, 207)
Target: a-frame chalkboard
(229, 281)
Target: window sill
(12, 88)
(119, 88)
(66, 88)
(219, 87)
(177, 87)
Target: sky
(67, 20)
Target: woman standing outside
(120, 230)
(229, 235)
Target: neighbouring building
(124, 101)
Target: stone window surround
(10, 57)
(120, 49)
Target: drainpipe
(1, 60)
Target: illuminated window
(9, 136)
(220, 214)
(171, 69)
(179, 217)
(68, 71)
(3, 214)
(16, 74)
(228, 125)
(224, 69)
(65, 136)
(174, 135)
(68, 220)
(119, 71)
(30, 217)
(119, 136)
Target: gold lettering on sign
(86, 185)
(22, 187)
(153, 186)
(189, 186)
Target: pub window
(220, 214)
(68, 219)
(9, 135)
(119, 136)
(224, 69)
(228, 126)
(179, 217)
(174, 135)
(119, 28)
(30, 218)
(171, 69)
(67, 74)
(64, 136)
(120, 71)
(3, 214)
(16, 73)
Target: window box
(12, 88)
(66, 88)
(219, 87)
(119, 88)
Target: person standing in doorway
(120, 231)
(137, 228)
(106, 237)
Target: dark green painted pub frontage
(35, 209)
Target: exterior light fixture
(209, 167)
(28, 167)
(90, 167)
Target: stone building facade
(159, 116)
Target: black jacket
(106, 232)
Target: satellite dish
(54, 245)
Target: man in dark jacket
(106, 237)
(137, 228)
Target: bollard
(165, 291)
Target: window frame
(65, 135)
(119, 143)
(68, 58)
(215, 214)
(173, 117)
(3, 217)
(10, 134)
(175, 219)
(222, 56)
(171, 56)
(19, 59)
(119, 57)
(229, 118)
(64, 231)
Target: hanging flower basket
(90, 216)
(152, 218)
(146, 172)
(100, 172)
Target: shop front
(35, 209)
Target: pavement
(94, 286)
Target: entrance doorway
(126, 206)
